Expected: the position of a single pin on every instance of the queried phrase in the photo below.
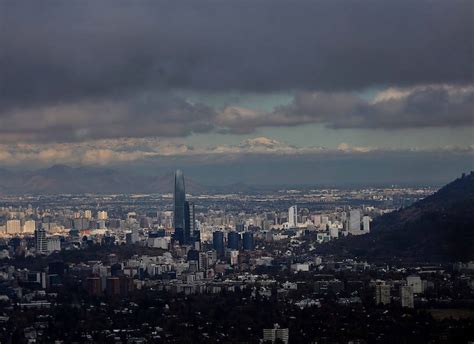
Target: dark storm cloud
(54, 51)
(143, 115)
(418, 107)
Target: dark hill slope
(437, 228)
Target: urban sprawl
(169, 267)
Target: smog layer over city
(236, 171)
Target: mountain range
(62, 179)
(437, 228)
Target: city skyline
(236, 171)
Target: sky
(266, 91)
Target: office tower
(53, 244)
(88, 214)
(343, 216)
(29, 227)
(293, 217)
(317, 220)
(179, 201)
(189, 223)
(366, 224)
(203, 261)
(354, 221)
(247, 242)
(218, 242)
(13, 227)
(41, 243)
(193, 255)
(415, 283)
(94, 286)
(112, 286)
(233, 240)
(382, 294)
(193, 260)
(135, 235)
(102, 215)
(406, 296)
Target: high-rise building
(13, 227)
(81, 224)
(102, 215)
(93, 286)
(29, 227)
(415, 283)
(112, 286)
(293, 217)
(53, 244)
(382, 294)
(354, 222)
(88, 214)
(41, 243)
(366, 224)
(247, 242)
(203, 260)
(218, 242)
(406, 296)
(179, 200)
(233, 240)
(189, 223)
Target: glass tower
(179, 201)
(189, 221)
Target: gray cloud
(167, 115)
(151, 150)
(417, 107)
(54, 52)
(142, 115)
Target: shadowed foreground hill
(437, 228)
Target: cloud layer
(90, 69)
(167, 115)
(416, 107)
(150, 150)
(144, 115)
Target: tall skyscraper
(179, 201)
(29, 227)
(382, 294)
(218, 243)
(354, 222)
(406, 296)
(13, 227)
(102, 215)
(247, 242)
(88, 214)
(366, 224)
(189, 223)
(233, 240)
(415, 283)
(41, 243)
(293, 217)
